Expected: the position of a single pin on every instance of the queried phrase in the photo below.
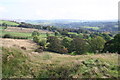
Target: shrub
(7, 36)
(42, 42)
(13, 37)
(36, 39)
(40, 49)
(35, 33)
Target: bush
(55, 44)
(40, 49)
(35, 33)
(42, 42)
(36, 39)
(7, 36)
(13, 37)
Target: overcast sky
(59, 9)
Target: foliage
(113, 45)
(36, 39)
(35, 33)
(66, 42)
(90, 68)
(7, 36)
(96, 44)
(57, 33)
(13, 37)
(13, 63)
(47, 34)
(106, 37)
(55, 44)
(42, 42)
(78, 45)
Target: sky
(59, 9)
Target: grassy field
(72, 33)
(8, 22)
(28, 64)
(1, 28)
(23, 32)
(17, 34)
(94, 28)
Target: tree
(96, 44)
(57, 33)
(66, 42)
(64, 32)
(42, 42)
(36, 39)
(113, 45)
(47, 34)
(79, 46)
(4, 25)
(35, 33)
(54, 44)
(7, 36)
(106, 37)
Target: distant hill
(103, 25)
(106, 25)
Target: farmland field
(94, 28)
(23, 32)
(8, 22)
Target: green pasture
(72, 33)
(8, 22)
(94, 28)
(20, 34)
(16, 34)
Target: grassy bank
(20, 63)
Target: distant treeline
(104, 26)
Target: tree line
(77, 45)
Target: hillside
(22, 32)
(9, 22)
(26, 63)
(107, 25)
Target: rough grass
(52, 65)
(14, 63)
(25, 30)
